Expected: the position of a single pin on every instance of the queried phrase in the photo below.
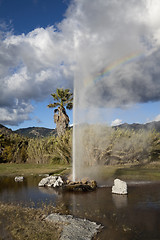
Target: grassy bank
(128, 172)
(7, 169)
(150, 172)
(18, 222)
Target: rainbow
(121, 62)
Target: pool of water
(132, 217)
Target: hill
(122, 146)
(137, 126)
(36, 132)
(4, 130)
(39, 132)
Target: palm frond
(69, 106)
(54, 95)
(53, 105)
(60, 92)
(62, 97)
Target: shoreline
(150, 172)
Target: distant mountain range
(137, 126)
(33, 132)
(36, 132)
(5, 130)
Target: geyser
(110, 43)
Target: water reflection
(120, 201)
(128, 217)
(26, 192)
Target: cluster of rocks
(83, 185)
(56, 181)
(51, 181)
(74, 228)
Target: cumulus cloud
(116, 122)
(119, 52)
(15, 115)
(111, 48)
(31, 67)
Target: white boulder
(19, 179)
(51, 181)
(119, 187)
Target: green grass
(150, 172)
(138, 174)
(34, 169)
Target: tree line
(102, 145)
(18, 149)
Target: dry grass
(7, 169)
(17, 223)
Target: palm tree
(62, 98)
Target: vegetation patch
(34, 169)
(17, 222)
(138, 173)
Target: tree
(62, 98)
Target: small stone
(60, 181)
(119, 187)
(56, 184)
(19, 179)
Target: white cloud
(116, 122)
(32, 67)
(15, 115)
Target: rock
(93, 184)
(19, 179)
(84, 180)
(68, 181)
(74, 228)
(84, 185)
(77, 187)
(51, 181)
(119, 187)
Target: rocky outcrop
(74, 228)
(61, 120)
(119, 187)
(51, 181)
(56, 181)
(84, 185)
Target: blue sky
(67, 43)
(27, 15)
(23, 17)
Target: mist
(117, 58)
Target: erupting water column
(78, 116)
(77, 148)
(74, 139)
